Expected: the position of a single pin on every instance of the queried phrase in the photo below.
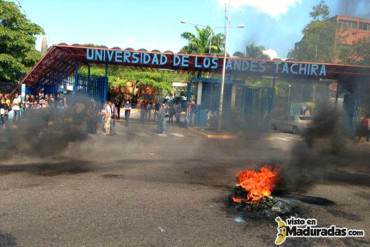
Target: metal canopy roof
(61, 60)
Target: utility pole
(220, 108)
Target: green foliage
(159, 79)
(318, 41)
(320, 11)
(253, 51)
(17, 42)
(357, 53)
(257, 81)
(203, 41)
(362, 49)
(238, 54)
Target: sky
(155, 24)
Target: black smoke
(359, 8)
(324, 146)
(47, 132)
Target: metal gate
(254, 105)
(95, 87)
(246, 108)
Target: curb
(221, 136)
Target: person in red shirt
(365, 126)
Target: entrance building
(252, 104)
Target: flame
(258, 184)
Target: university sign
(203, 63)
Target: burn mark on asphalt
(48, 169)
(346, 215)
(7, 240)
(113, 176)
(349, 178)
(355, 242)
(315, 200)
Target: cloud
(274, 8)
(271, 53)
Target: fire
(257, 184)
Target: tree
(203, 41)
(17, 42)
(252, 51)
(357, 53)
(321, 43)
(159, 79)
(318, 41)
(238, 54)
(255, 51)
(320, 11)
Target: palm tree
(203, 41)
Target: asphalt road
(138, 188)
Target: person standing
(118, 103)
(149, 108)
(157, 106)
(162, 118)
(171, 112)
(189, 113)
(177, 109)
(2, 111)
(365, 125)
(107, 118)
(16, 107)
(113, 116)
(142, 111)
(127, 109)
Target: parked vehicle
(293, 124)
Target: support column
(337, 95)
(199, 93)
(273, 90)
(188, 92)
(75, 83)
(88, 73)
(233, 95)
(106, 87)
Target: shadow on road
(48, 168)
(353, 178)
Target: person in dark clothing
(127, 108)
(157, 106)
(143, 111)
(118, 100)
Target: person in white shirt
(127, 109)
(107, 118)
(16, 107)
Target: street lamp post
(210, 36)
(220, 107)
(226, 30)
(289, 87)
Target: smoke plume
(47, 132)
(360, 8)
(323, 146)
